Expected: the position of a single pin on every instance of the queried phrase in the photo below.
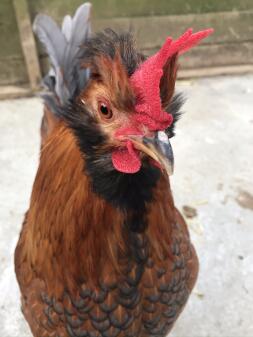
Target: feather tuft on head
(66, 77)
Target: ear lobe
(168, 80)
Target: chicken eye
(105, 110)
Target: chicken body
(103, 252)
(82, 271)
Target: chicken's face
(130, 141)
(130, 97)
(124, 116)
(125, 149)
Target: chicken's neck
(69, 224)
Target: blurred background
(229, 50)
(213, 147)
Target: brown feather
(48, 122)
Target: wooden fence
(229, 50)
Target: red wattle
(127, 159)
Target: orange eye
(105, 110)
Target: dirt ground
(212, 184)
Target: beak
(158, 148)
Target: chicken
(103, 251)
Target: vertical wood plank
(28, 42)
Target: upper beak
(158, 148)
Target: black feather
(107, 43)
(127, 191)
(174, 108)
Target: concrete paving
(213, 176)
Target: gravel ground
(212, 183)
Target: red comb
(146, 80)
(148, 109)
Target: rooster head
(120, 106)
(125, 115)
(130, 99)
